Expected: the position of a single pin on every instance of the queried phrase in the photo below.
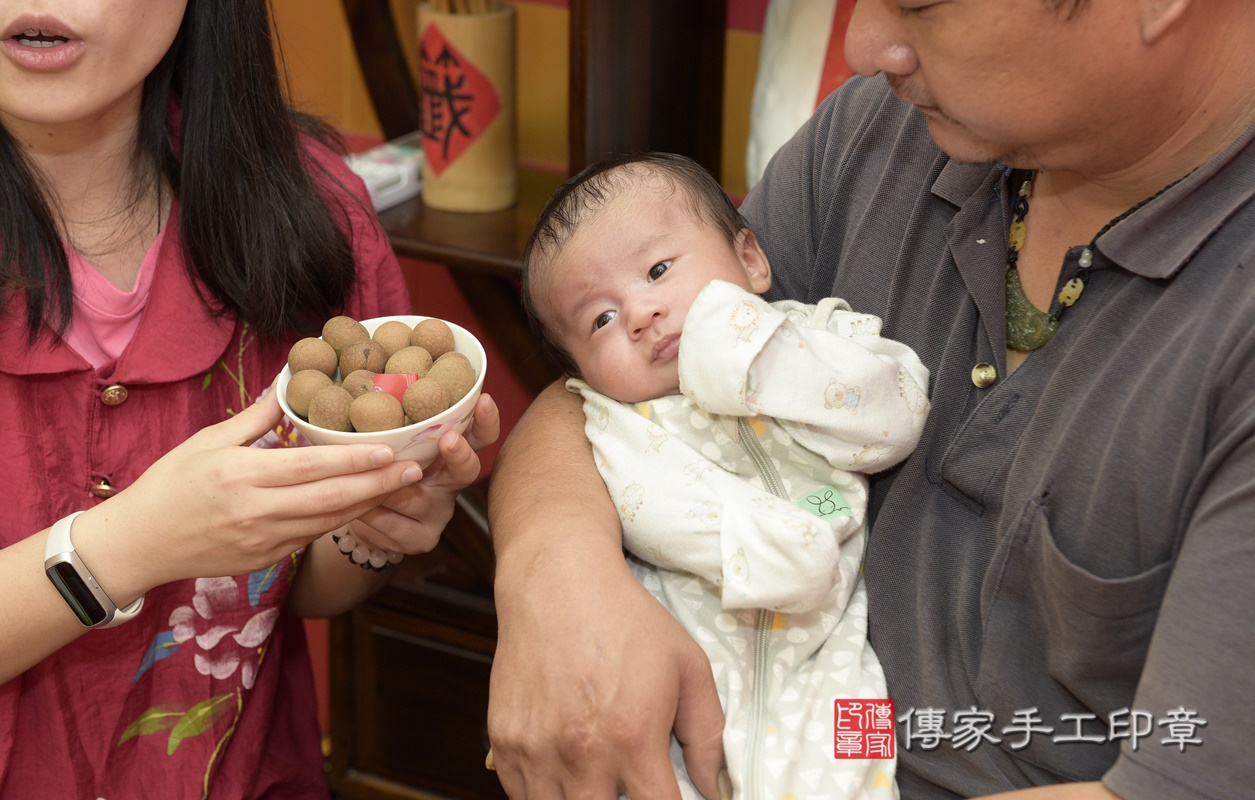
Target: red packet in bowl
(394, 384)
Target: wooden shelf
(489, 242)
(410, 675)
(482, 252)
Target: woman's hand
(215, 506)
(411, 519)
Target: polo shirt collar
(1160, 238)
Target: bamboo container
(467, 97)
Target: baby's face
(617, 294)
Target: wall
(325, 78)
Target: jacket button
(984, 375)
(104, 489)
(114, 395)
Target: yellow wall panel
(324, 77)
(740, 65)
(543, 84)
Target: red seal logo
(863, 729)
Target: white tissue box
(392, 171)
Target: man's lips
(667, 347)
(921, 105)
(906, 94)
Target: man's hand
(590, 678)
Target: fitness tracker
(75, 582)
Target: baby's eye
(603, 319)
(656, 271)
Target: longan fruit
(455, 374)
(301, 389)
(434, 336)
(329, 408)
(362, 354)
(393, 335)
(410, 360)
(425, 398)
(358, 382)
(312, 353)
(376, 411)
(339, 331)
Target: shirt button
(984, 375)
(104, 489)
(114, 395)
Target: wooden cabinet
(409, 674)
(410, 668)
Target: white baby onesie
(744, 514)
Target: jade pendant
(1027, 327)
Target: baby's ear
(755, 260)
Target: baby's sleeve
(823, 371)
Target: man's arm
(591, 674)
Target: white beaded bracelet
(363, 556)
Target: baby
(730, 433)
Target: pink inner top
(105, 317)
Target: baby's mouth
(666, 347)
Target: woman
(168, 227)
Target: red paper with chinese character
(458, 102)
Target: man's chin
(958, 143)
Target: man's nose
(874, 41)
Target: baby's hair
(583, 195)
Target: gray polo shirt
(1071, 547)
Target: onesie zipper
(766, 470)
(762, 626)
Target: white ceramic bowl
(415, 442)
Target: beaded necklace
(1027, 327)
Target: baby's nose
(643, 314)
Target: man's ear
(1158, 16)
(755, 260)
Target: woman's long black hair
(255, 222)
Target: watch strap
(64, 566)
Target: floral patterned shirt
(209, 691)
